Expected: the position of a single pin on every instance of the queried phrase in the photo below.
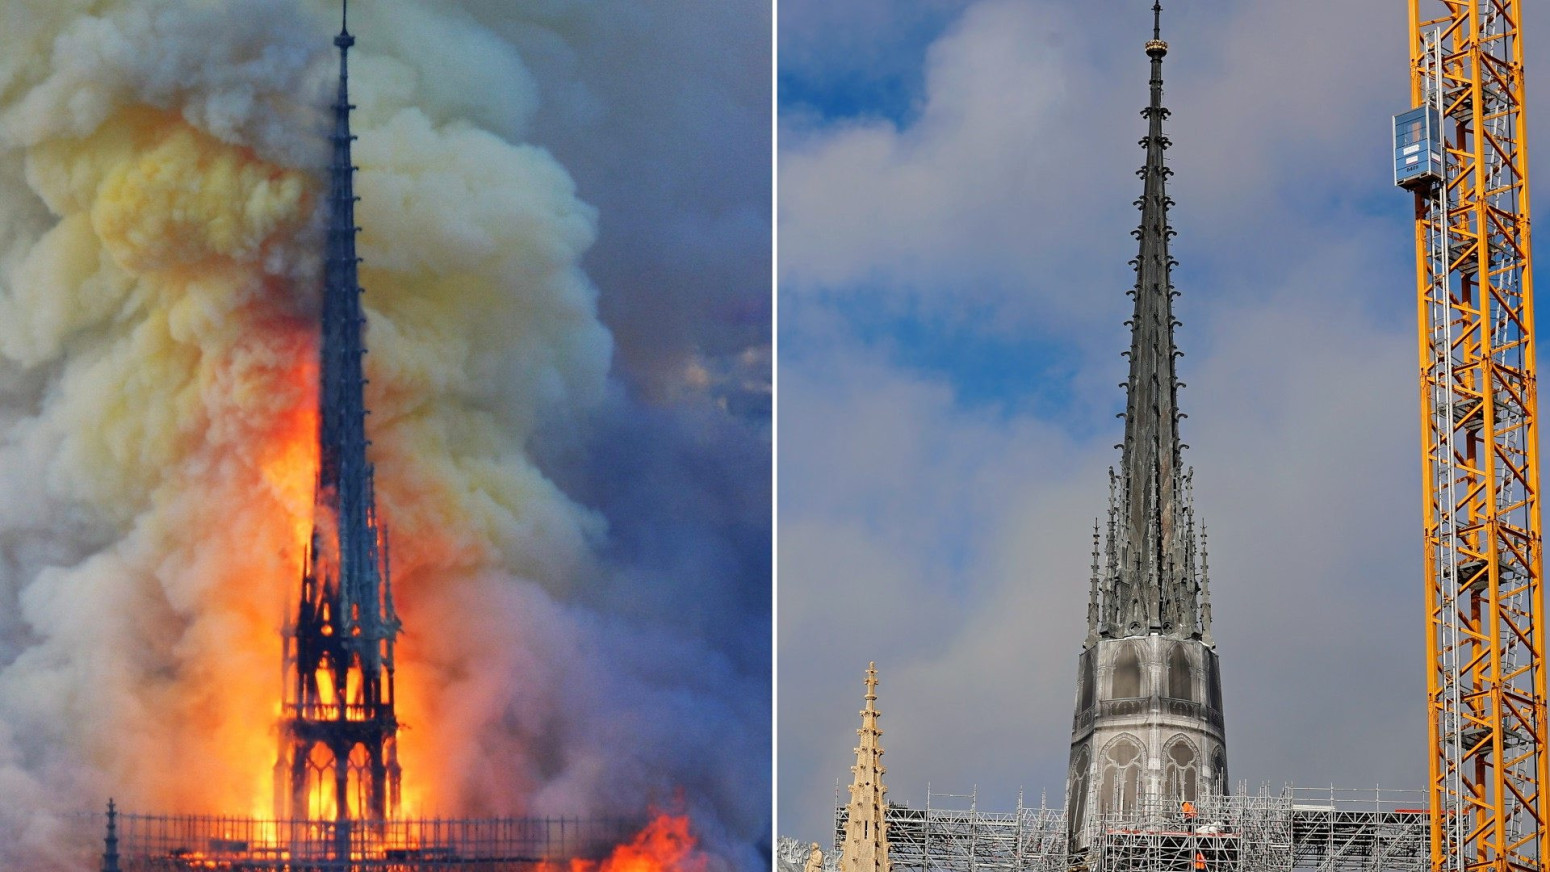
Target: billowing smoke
(160, 163)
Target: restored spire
(1152, 588)
(1149, 733)
(339, 651)
(866, 830)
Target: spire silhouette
(110, 841)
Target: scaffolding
(959, 836)
(1323, 829)
(1360, 830)
(1248, 832)
(162, 843)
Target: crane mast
(1462, 153)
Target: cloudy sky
(954, 214)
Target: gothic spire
(866, 831)
(1152, 589)
(344, 476)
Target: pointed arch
(1085, 681)
(1125, 682)
(1181, 681)
(1219, 771)
(1123, 762)
(1181, 770)
(1076, 788)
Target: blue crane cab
(1417, 148)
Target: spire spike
(1153, 513)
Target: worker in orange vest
(1189, 810)
(1200, 861)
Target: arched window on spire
(1084, 696)
(1214, 682)
(1219, 772)
(1181, 770)
(1181, 685)
(1123, 762)
(1076, 790)
(1126, 681)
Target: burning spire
(338, 755)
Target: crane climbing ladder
(1462, 153)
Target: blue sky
(955, 204)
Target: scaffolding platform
(1360, 829)
(958, 836)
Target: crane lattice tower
(1462, 151)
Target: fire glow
(666, 844)
(165, 265)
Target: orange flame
(665, 845)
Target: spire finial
(1155, 47)
(1153, 517)
(344, 40)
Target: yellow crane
(1461, 151)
